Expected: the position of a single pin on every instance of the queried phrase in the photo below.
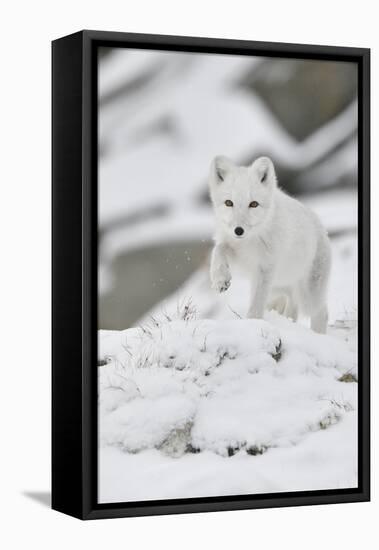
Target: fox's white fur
(284, 249)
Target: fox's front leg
(220, 272)
(259, 294)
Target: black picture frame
(74, 272)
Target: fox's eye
(254, 204)
(228, 203)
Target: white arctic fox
(277, 241)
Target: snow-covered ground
(195, 400)
(191, 406)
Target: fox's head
(242, 195)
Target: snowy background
(194, 400)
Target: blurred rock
(142, 278)
(304, 94)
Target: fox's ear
(219, 169)
(264, 168)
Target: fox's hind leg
(319, 320)
(284, 303)
(314, 290)
(292, 310)
(278, 303)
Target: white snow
(265, 392)
(327, 459)
(258, 390)
(209, 115)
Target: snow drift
(243, 386)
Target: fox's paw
(221, 279)
(223, 286)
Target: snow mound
(185, 386)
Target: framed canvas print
(210, 275)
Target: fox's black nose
(238, 231)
